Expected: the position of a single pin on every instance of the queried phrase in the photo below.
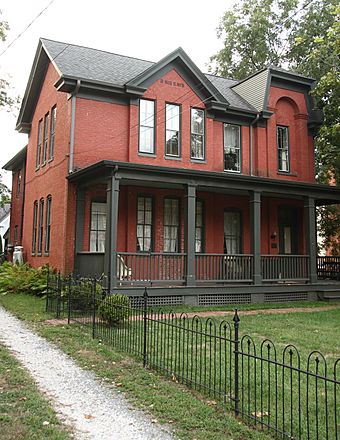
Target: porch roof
(151, 175)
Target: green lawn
(189, 414)
(24, 413)
(174, 352)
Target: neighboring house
(4, 224)
(157, 174)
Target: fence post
(236, 320)
(94, 301)
(69, 299)
(145, 327)
(58, 295)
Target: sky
(147, 29)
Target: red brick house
(157, 174)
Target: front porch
(177, 233)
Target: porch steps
(330, 294)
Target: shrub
(15, 278)
(115, 309)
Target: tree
(5, 193)
(303, 36)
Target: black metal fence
(276, 389)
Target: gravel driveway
(80, 400)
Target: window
(19, 178)
(41, 226)
(39, 143)
(98, 227)
(282, 135)
(172, 133)
(232, 148)
(197, 134)
(199, 230)
(48, 224)
(171, 225)
(34, 231)
(52, 133)
(146, 126)
(144, 224)
(45, 145)
(232, 232)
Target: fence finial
(236, 318)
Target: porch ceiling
(166, 177)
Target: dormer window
(282, 136)
(197, 134)
(232, 148)
(146, 126)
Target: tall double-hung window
(197, 134)
(199, 227)
(144, 224)
(232, 148)
(45, 144)
(282, 136)
(232, 232)
(146, 126)
(41, 226)
(48, 224)
(52, 132)
(34, 230)
(172, 130)
(171, 225)
(98, 227)
(39, 143)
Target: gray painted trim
(310, 225)
(206, 179)
(190, 225)
(255, 216)
(79, 233)
(16, 161)
(113, 231)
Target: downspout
(73, 121)
(251, 148)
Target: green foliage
(15, 278)
(115, 309)
(4, 193)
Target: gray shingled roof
(97, 65)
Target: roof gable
(180, 61)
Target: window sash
(232, 148)
(98, 227)
(197, 134)
(171, 225)
(199, 228)
(41, 226)
(52, 133)
(232, 232)
(144, 224)
(34, 229)
(146, 126)
(283, 148)
(45, 145)
(48, 224)
(39, 143)
(172, 130)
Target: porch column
(255, 216)
(79, 236)
(310, 226)
(112, 199)
(190, 235)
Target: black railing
(276, 390)
(329, 267)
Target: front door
(288, 230)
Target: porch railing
(147, 268)
(224, 268)
(285, 267)
(329, 267)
